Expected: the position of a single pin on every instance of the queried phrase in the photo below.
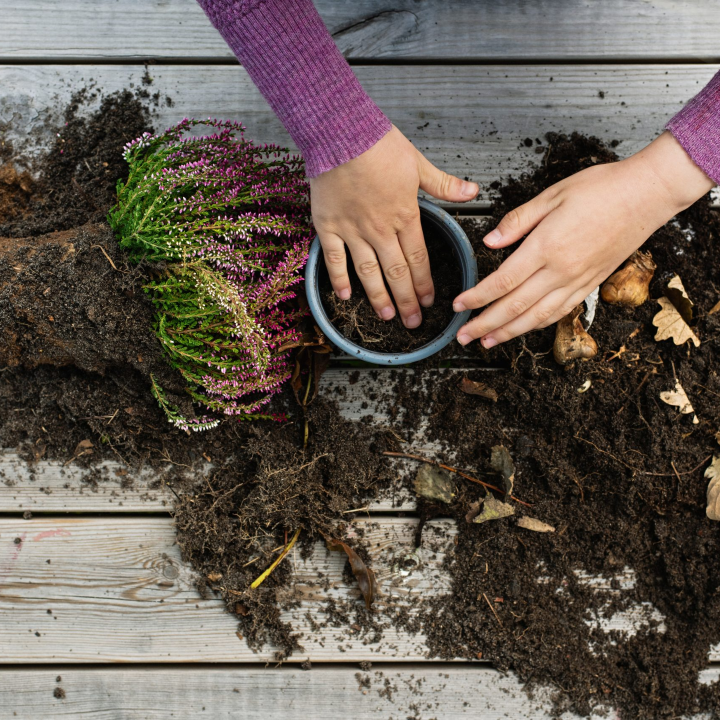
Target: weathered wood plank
(118, 592)
(378, 29)
(470, 121)
(115, 590)
(251, 693)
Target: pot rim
(458, 240)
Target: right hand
(370, 205)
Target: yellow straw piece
(287, 549)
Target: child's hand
(370, 205)
(580, 229)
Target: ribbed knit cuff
(292, 58)
(697, 128)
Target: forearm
(697, 128)
(292, 58)
(667, 171)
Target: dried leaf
(670, 324)
(715, 308)
(674, 315)
(535, 525)
(363, 574)
(434, 483)
(472, 387)
(494, 509)
(501, 462)
(214, 576)
(678, 398)
(675, 292)
(713, 492)
(84, 447)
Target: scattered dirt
(69, 299)
(74, 386)
(615, 471)
(357, 320)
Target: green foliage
(225, 227)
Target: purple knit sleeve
(292, 58)
(697, 128)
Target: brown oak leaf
(678, 398)
(672, 321)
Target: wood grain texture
(470, 121)
(379, 29)
(251, 693)
(117, 591)
(53, 487)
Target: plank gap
(491, 61)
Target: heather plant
(226, 227)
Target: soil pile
(74, 182)
(234, 526)
(68, 299)
(75, 382)
(357, 320)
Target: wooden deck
(94, 599)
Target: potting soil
(356, 319)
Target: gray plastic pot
(457, 241)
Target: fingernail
(458, 306)
(469, 189)
(413, 321)
(464, 339)
(493, 238)
(489, 342)
(427, 300)
(344, 294)
(387, 313)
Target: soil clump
(357, 320)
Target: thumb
(443, 186)
(519, 222)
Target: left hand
(581, 229)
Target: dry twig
(493, 610)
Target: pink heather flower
(231, 222)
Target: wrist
(672, 171)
